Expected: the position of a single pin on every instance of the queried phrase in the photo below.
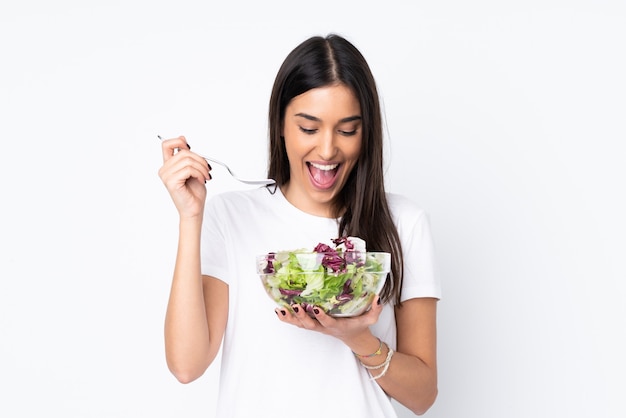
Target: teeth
(324, 167)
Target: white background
(505, 121)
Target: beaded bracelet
(381, 365)
(375, 353)
(384, 365)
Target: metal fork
(257, 182)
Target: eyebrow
(316, 119)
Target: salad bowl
(342, 283)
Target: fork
(257, 182)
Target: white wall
(505, 121)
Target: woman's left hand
(342, 328)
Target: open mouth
(323, 175)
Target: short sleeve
(421, 276)
(213, 248)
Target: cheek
(296, 145)
(290, 138)
(355, 151)
(291, 149)
(294, 153)
(352, 156)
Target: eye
(308, 131)
(348, 133)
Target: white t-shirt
(270, 368)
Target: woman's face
(322, 131)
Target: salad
(342, 278)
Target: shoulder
(409, 217)
(403, 208)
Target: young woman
(326, 154)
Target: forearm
(407, 379)
(411, 377)
(410, 381)
(186, 326)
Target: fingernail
(316, 311)
(296, 309)
(188, 146)
(378, 301)
(282, 311)
(210, 168)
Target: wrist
(378, 351)
(190, 222)
(379, 370)
(366, 346)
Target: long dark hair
(362, 203)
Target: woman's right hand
(184, 174)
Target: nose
(326, 147)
